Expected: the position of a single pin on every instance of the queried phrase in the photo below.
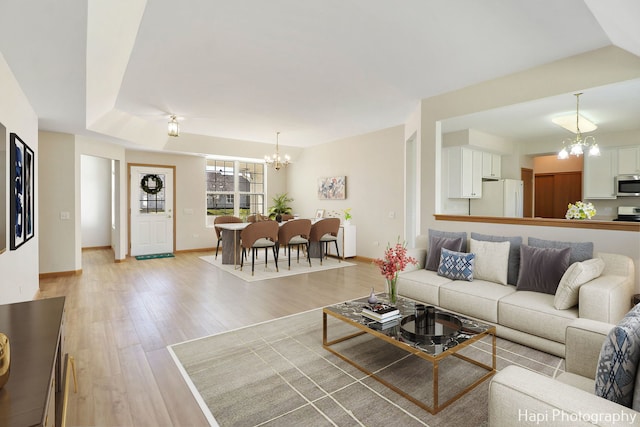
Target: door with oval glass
(151, 218)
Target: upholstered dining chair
(295, 233)
(287, 217)
(323, 232)
(258, 235)
(223, 219)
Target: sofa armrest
(606, 298)
(420, 255)
(583, 342)
(519, 397)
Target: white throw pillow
(576, 275)
(492, 260)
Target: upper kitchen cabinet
(465, 173)
(491, 164)
(629, 160)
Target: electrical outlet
(65, 215)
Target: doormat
(153, 256)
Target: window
(234, 188)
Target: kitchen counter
(548, 222)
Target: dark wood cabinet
(554, 192)
(32, 395)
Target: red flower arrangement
(395, 260)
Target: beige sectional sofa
(526, 317)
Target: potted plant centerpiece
(280, 206)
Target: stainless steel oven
(628, 185)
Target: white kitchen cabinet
(599, 174)
(491, 165)
(629, 160)
(346, 242)
(465, 173)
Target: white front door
(151, 214)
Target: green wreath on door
(144, 183)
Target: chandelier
(275, 159)
(578, 145)
(173, 127)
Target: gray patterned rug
(277, 374)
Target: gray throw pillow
(580, 251)
(542, 268)
(435, 248)
(514, 253)
(618, 362)
(451, 235)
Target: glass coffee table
(440, 335)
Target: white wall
(95, 190)
(59, 238)
(373, 164)
(601, 67)
(19, 268)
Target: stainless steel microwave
(628, 185)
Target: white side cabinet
(491, 165)
(465, 173)
(599, 174)
(629, 160)
(346, 242)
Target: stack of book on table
(381, 312)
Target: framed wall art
(22, 197)
(332, 188)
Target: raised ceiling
(314, 70)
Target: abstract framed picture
(22, 192)
(332, 188)
(29, 193)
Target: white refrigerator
(499, 198)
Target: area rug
(154, 256)
(262, 273)
(277, 373)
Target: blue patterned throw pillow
(618, 362)
(456, 265)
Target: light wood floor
(121, 317)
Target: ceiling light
(275, 159)
(569, 123)
(578, 145)
(173, 128)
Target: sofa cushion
(456, 265)
(492, 260)
(542, 268)
(580, 251)
(514, 253)
(477, 299)
(618, 362)
(534, 313)
(435, 246)
(451, 235)
(422, 285)
(576, 275)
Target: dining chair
(323, 232)
(223, 219)
(295, 233)
(258, 235)
(287, 217)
